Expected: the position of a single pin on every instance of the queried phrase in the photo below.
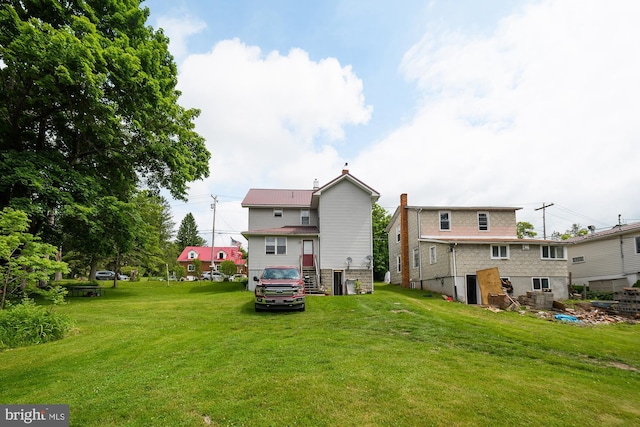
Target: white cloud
(269, 120)
(179, 29)
(543, 109)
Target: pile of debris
(589, 313)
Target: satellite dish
(349, 260)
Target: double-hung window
(433, 255)
(552, 252)
(483, 221)
(304, 217)
(416, 258)
(445, 220)
(637, 239)
(276, 245)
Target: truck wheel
(258, 308)
(303, 307)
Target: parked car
(216, 276)
(238, 277)
(123, 277)
(105, 275)
(279, 287)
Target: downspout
(455, 272)
(419, 228)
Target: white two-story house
(325, 231)
(607, 260)
(442, 249)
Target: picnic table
(87, 291)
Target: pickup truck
(279, 287)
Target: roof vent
(592, 229)
(316, 184)
(345, 169)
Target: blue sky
(459, 103)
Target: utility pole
(544, 219)
(213, 234)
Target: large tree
(89, 109)
(380, 220)
(188, 233)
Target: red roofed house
(203, 253)
(325, 231)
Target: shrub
(27, 324)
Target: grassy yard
(196, 354)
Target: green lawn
(196, 354)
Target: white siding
(345, 226)
(603, 258)
(263, 218)
(258, 259)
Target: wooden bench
(87, 291)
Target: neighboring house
(203, 253)
(442, 248)
(325, 231)
(608, 260)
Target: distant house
(441, 248)
(608, 260)
(204, 253)
(325, 231)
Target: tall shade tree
(154, 248)
(188, 233)
(106, 231)
(380, 220)
(89, 108)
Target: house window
(397, 233)
(540, 283)
(398, 264)
(637, 239)
(276, 245)
(304, 217)
(191, 267)
(277, 213)
(499, 251)
(483, 221)
(445, 221)
(577, 259)
(552, 252)
(193, 255)
(432, 255)
(416, 258)
(222, 255)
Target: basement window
(540, 283)
(577, 259)
(277, 213)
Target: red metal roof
(204, 253)
(277, 198)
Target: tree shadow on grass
(217, 287)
